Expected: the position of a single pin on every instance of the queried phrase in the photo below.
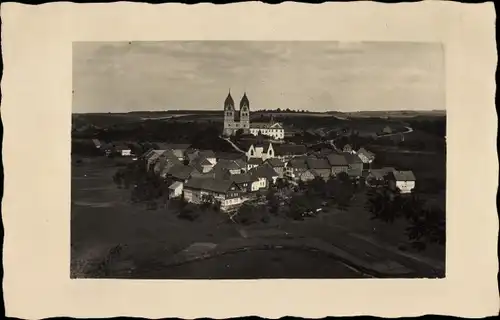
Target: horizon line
(261, 110)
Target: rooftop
(209, 184)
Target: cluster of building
(233, 178)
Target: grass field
(103, 217)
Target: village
(261, 161)
(259, 176)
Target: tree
(245, 214)
(302, 185)
(189, 212)
(281, 184)
(301, 204)
(272, 201)
(426, 225)
(317, 186)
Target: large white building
(271, 129)
(235, 120)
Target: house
(347, 149)
(164, 163)
(271, 129)
(278, 165)
(306, 176)
(160, 161)
(203, 165)
(377, 177)
(365, 155)
(191, 154)
(319, 167)
(254, 162)
(262, 150)
(295, 167)
(178, 149)
(96, 143)
(338, 163)
(387, 130)
(122, 149)
(181, 172)
(355, 165)
(208, 155)
(265, 174)
(244, 181)
(404, 181)
(286, 152)
(230, 166)
(196, 190)
(175, 189)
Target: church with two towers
(236, 119)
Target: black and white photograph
(258, 160)
(247, 159)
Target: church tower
(229, 112)
(245, 113)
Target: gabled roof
(352, 158)
(205, 162)
(319, 173)
(266, 125)
(179, 146)
(290, 149)
(229, 156)
(175, 185)
(380, 173)
(298, 163)
(366, 153)
(241, 178)
(263, 171)
(121, 146)
(210, 184)
(336, 159)
(275, 162)
(207, 154)
(255, 161)
(318, 163)
(229, 165)
(403, 175)
(241, 163)
(157, 145)
(181, 172)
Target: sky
(306, 75)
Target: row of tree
(426, 224)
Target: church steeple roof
(244, 100)
(229, 100)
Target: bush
(189, 212)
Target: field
(102, 217)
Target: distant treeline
(202, 135)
